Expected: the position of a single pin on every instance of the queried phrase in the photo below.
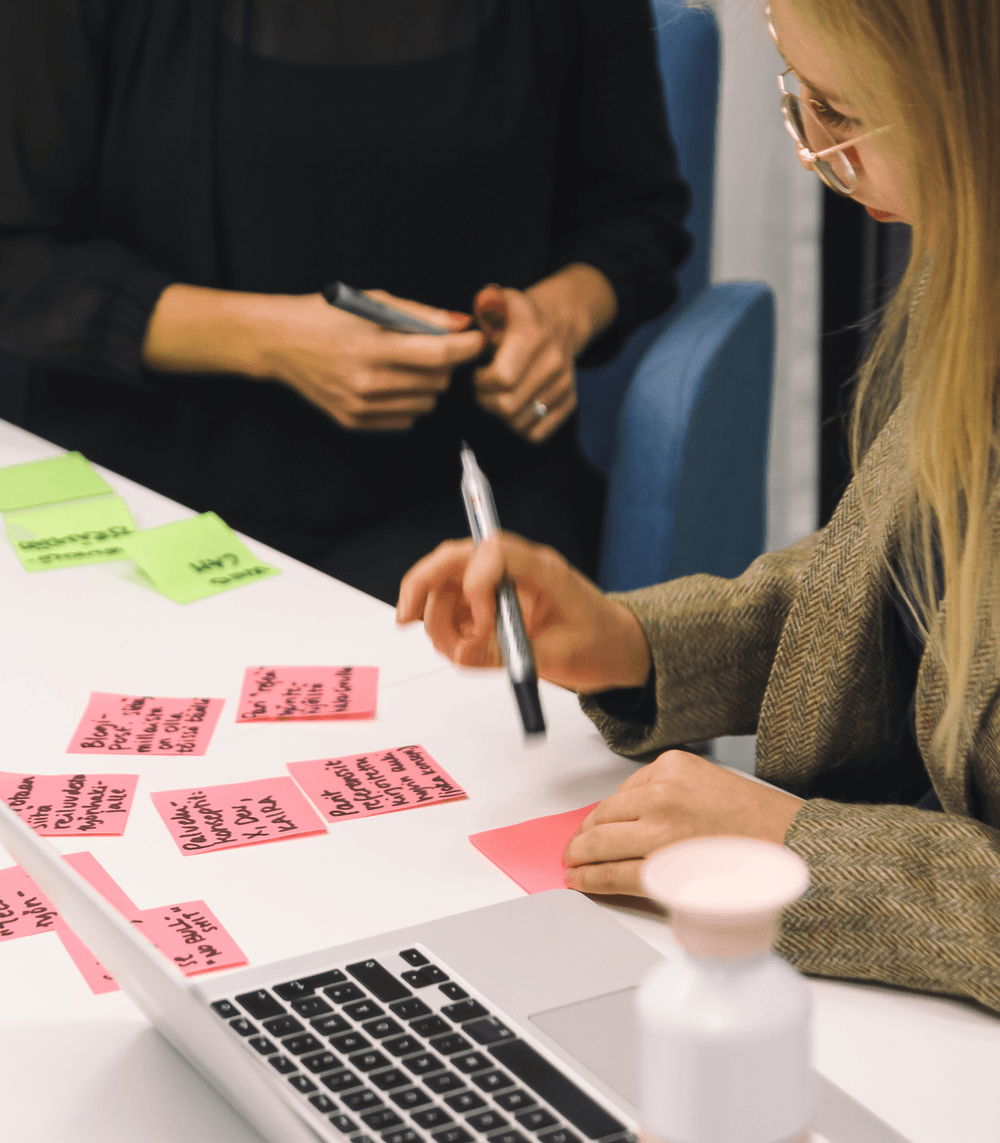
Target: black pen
(361, 305)
(513, 640)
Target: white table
(78, 1068)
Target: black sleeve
(621, 200)
(66, 297)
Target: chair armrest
(688, 484)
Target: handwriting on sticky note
(24, 909)
(142, 724)
(240, 813)
(276, 693)
(71, 535)
(191, 936)
(378, 782)
(195, 558)
(530, 852)
(66, 477)
(70, 805)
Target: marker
(389, 317)
(514, 645)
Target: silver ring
(541, 410)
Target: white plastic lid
(725, 893)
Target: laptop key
(341, 993)
(368, 1061)
(473, 1062)
(263, 1045)
(444, 1081)
(452, 1135)
(450, 1044)
(453, 991)
(361, 1100)
(465, 1101)
(403, 1135)
(340, 1081)
(323, 1062)
(302, 1083)
(414, 957)
(384, 1027)
(307, 985)
(330, 1025)
(464, 1010)
(364, 1010)
(488, 1031)
(382, 1119)
(487, 1121)
(421, 1065)
(322, 1103)
(432, 1117)
(508, 1137)
(344, 1123)
(402, 1046)
(390, 1079)
(350, 1042)
(560, 1136)
(378, 980)
(311, 1006)
(492, 1081)
(515, 1100)
(282, 1064)
(408, 1009)
(225, 1009)
(415, 978)
(260, 1004)
(299, 1045)
(412, 1097)
(242, 1025)
(538, 1119)
(283, 1026)
(430, 1026)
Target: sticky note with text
(25, 911)
(530, 852)
(71, 535)
(195, 558)
(144, 724)
(190, 935)
(273, 694)
(377, 782)
(70, 805)
(67, 477)
(207, 818)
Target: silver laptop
(507, 1024)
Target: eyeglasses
(813, 140)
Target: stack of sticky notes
(62, 513)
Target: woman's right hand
(581, 639)
(362, 375)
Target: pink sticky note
(530, 853)
(142, 724)
(93, 972)
(192, 937)
(25, 911)
(87, 865)
(242, 813)
(380, 782)
(70, 805)
(272, 694)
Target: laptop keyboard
(395, 1049)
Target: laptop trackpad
(601, 1033)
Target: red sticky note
(142, 724)
(70, 805)
(273, 694)
(192, 937)
(25, 911)
(379, 782)
(530, 853)
(242, 813)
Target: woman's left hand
(678, 796)
(537, 335)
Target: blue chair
(678, 422)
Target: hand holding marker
(514, 645)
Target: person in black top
(179, 177)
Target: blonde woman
(866, 656)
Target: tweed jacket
(800, 650)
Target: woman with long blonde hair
(867, 656)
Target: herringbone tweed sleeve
(713, 642)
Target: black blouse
(422, 146)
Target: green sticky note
(196, 557)
(90, 532)
(67, 477)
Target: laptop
(507, 1024)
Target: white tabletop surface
(78, 1068)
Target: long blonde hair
(931, 69)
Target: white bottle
(724, 1053)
